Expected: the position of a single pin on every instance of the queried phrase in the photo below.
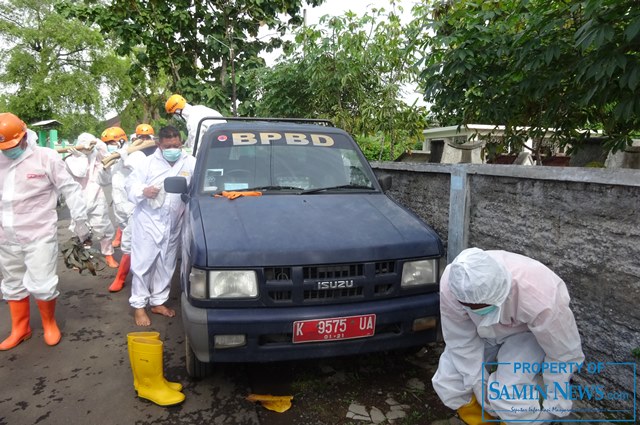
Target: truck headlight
(198, 283)
(422, 272)
(233, 284)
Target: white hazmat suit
(29, 187)
(122, 207)
(87, 169)
(531, 324)
(155, 228)
(192, 114)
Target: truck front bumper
(268, 331)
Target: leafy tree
(540, 64)
(202, 47)
(54, 67)
(351, 70)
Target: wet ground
(86, 379)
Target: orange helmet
(12, 130)
(144, 130)
(174, 103)
(113, 134)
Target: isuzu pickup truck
(292, 250)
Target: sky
(360, 7)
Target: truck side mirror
(385, 182)
(175, 185)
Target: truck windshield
(282, 168)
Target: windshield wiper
(267, 188)
(344, 186)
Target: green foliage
(203, 49)
(542, 64)
(53, 67)
(351, 70)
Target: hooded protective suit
(122, 207)
(155, 228)
(531, 324)
(29, 187)
(192, 114)
(87, 170)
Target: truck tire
(195, 368)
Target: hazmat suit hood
(186, 111)
(85, 139)
(476, 278)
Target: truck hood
(279, 230)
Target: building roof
(46, 123)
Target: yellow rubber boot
(471, 413)
(149, 335)
(147, 358)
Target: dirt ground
(324, 390)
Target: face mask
(482, 311)
(171, 155)
(13, 153)
(112, 148)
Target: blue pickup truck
(292, 250)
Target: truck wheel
(195, 368)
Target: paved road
(86, 379)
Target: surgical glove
(471, 413)
(82, 230)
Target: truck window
(301, 167)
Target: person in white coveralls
(31, 177)
(86, 168)
(192, 114)
(116, 139)
(498, 306)
(156, 225)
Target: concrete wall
(583, 223)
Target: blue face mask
(112, 148)
(483, 311)
(13, 153)
(171, 155)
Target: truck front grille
(330, 283)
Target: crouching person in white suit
(501, 307)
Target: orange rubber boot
(121, 276)
(117, 240)
(47, 309)
(111, 262)
(20, 329)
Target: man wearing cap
(501, 307)
(30, 179)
